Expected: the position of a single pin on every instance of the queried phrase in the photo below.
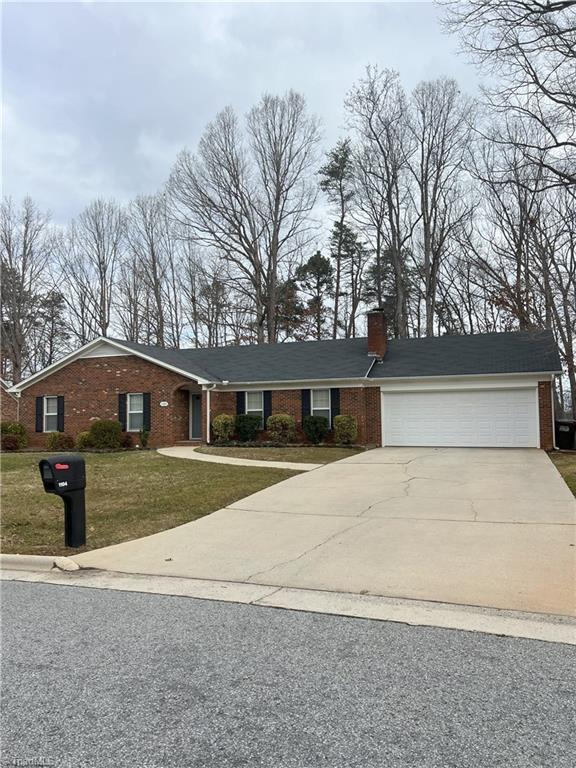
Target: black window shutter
(122, 411)
(147, 410)
(240, 402)
(334, 404)
(39, 414)
(305, 403)
(267, 397)
(60, 411)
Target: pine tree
(315, 279)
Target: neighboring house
(490, 389)
(8, 403)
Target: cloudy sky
(100, 96)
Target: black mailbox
(65, 476)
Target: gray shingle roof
(486, 353)
(490, 353)
(294, 361)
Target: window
(135, 412)
(50, 414)
(320, 403)
(255, 405)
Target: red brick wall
(8, 407)
(91, 386)
(377, 334)
(363, 403)
(546, 415)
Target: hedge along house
(487, 390)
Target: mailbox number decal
(63, 485)
(61, 466)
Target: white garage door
(474, 418)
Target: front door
(195, 416)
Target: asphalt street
(105, 679)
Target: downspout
(553, 407)
(372, 364)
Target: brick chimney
(377, 333)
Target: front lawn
(128, 495)
(566, 464)
(307, 454)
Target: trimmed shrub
(281, 428)
(127, 440)
(345, 429)
(106, 435)
(16, 429)
(223, 427)
(83, 441)
(59, 441)
(315, 428)
(10, 442)
(144, 436)
(247, 426)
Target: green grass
(566, 464)
(312, 454)
(128, 495)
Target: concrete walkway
(191, 452)
(482, 527)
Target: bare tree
(283, 141)
(553, 269)
(248, 195)
(155, 245)
(529, 50)
(440, 124)
(504, 250)
(370, 215)
(26, 246)
(131, 300)
(378, 113)
(88, 258)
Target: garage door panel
(476, 418)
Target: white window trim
(322, 389)
(45, 413)
(129, 411)
(259, 411)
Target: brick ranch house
(486, 390)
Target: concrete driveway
(485, 527)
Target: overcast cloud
(99, 97)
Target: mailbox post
(65, 476)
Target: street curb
(26, 562)
(492, 621)
(37, 563)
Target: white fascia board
(486, 381)
(69, 358)
(187, 374)
(89, 347)
(239, 386)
